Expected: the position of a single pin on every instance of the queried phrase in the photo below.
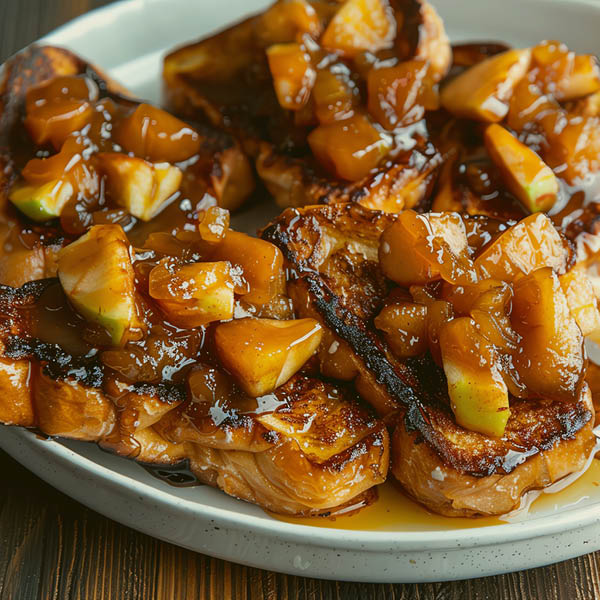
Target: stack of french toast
(423, 308)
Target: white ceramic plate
(128, 39)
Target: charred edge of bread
(415, 387)
(448, 491)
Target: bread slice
(332, 259)
(305, 449)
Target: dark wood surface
(54, 548)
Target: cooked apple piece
(360, 25)
(140, 187)
(439, 312)
(213, 224)
(97, 277)
(286, 21)
(405, 327)
(531, 244)
(54, 122)
(335, 94)
(418, 249)
(491, 313)
(263, 354)
(463, 297)
(581, 299)
(194, 294)
(524, 173)
(42, 202)
(261, 264)
(573, 146)
(349, 148)
(563, 74)
(483, 91)
(59, 107)
(551, 358)
(293, 74)
(155, 135)
(478, 394)
(398, 96)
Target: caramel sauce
(394, 511)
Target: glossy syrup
(394, 511)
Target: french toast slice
(334, 276)
(220, 170)
(306, 448)
(226, 79)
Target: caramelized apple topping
(353, 73)
(502, 309)
(263, 354)
(112, 160)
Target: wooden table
(54, 548)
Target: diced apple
(54, 122)
(581, 299)
(194, 294)
(214, 224)
(260, 262)
(418, 249)
(335, 94)
(531, 244)
(97, 276)
(399, 95)
(563, 74)
(351, 148)
(42, 202)
(293, 74)
(478, 394)
(140, 187)
(157, 136)
(482, 92)
(286, 21)
(405, 328)
(360, 25)
(263, 354)
(524, 173)
(58, 107)
(551, 358)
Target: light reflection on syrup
(396, 512)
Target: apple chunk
(194, 294)
(524, 173)
(42, 202)
(478, 394)
(418, 249)
(98, 279)
(551, 361)
(531, 244)
(293, 75)
(141, 187)
(360, 25)
(482, 91)
(263, 354)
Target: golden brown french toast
(336, 277)
(305, 448)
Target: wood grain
(53, 548)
